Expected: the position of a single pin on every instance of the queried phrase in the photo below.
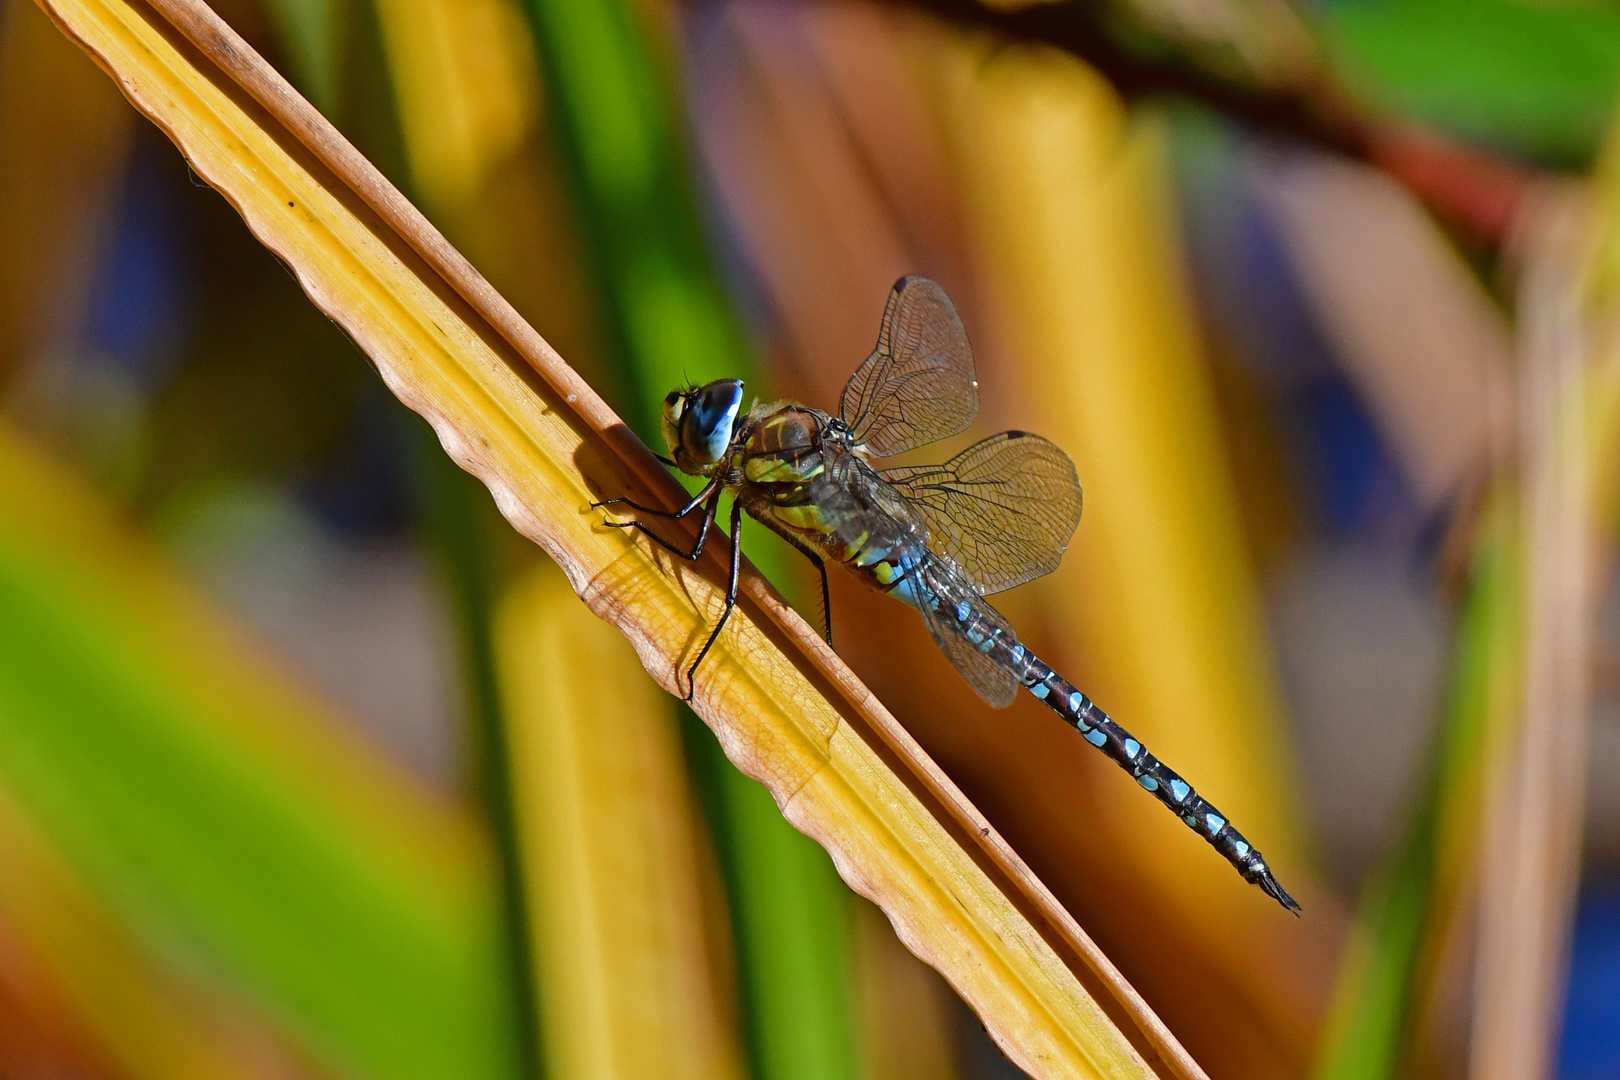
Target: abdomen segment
(1100, 730)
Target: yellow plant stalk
(510, 411)
(468, 92)
(1600, 294)
(906, 1015)
(1507, 825)
(1530, 854)
(147, 1022)
(610, 852)
(616, 875)
(1072, 214)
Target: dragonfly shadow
(646, 484)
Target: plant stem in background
(1068, 201)
(631, 985)
(454, 521)
(790, 922)
(83, 995)
(1497, 816)
(1530, 848)
(671, 323)
(455, 516)
(668, 316)
(65, 152)
(1390, 967)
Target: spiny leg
(697, 500)
(826, 598)
(731, 597)
(709, 510)
(826, 594)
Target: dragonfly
(938, 537)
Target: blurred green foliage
(1537, 79)
(1388, 974)
(670, 318)
(213, 808)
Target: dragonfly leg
(712, 492)
(697, 500)
(731, 597)
(826, 598)
(826, 594)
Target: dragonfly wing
(918, 385)
(989, 679)
(1003, 510)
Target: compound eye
(710, 419)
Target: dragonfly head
(698, 424)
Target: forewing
(989, 679)
(1003, 510)
(918, 385)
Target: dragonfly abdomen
(1158, 779)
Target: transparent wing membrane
(918, 386)
(1003, 510)
(994, 683)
